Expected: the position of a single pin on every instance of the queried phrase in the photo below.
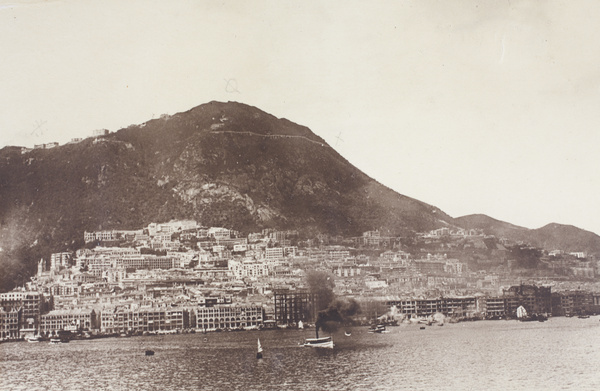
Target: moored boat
(35, 338)
(379, 329)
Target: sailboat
(300, 325)
(522, 314)
(259, 350)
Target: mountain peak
(221, 164)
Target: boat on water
(55, 341)
(149, 353)
(347, 333)
(379, 329)
(323, 342)
(259, 351)
(35, 338)
(300, 325)
(523, 316)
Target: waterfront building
(571, 303)
(30, 305)
(143, 319)
(68, 320)
(228, 317)
(495, 307)
(535, 299)
(10, 323)
(292, 306)
(459, 306)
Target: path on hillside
(269, 135)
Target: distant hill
(566, 238)
(222, 164)
(550, 237)
(490, 226)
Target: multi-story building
(30, 305)
(10, 323)
(58, 260)
(249, 268)
(495, 307)
(227, 317)
(68, 320)
(346, 270)
(274, 253)
(219, 233)
(97, 264)
(292, 306)
(458, 306)
(100, 236)
(535, 299)
(571, 303)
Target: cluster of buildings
(54, 144)
(181, 276)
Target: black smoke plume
(321, 285)
(339, 313)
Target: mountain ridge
(222, 164)
(552, 236)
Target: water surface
(562, 353)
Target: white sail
(521, 312)
(259, 347)
(300, 325)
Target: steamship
(323, 342)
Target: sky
(486, 107)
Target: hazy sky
(473, 106)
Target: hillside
(566, 238)
(491, 226)
(222, 164)
(550, 237)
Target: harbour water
(560, 354)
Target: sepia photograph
(299, 195)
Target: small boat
(379, 329)
(347, 333)
(300, 325)
(422, 327)
(35, 338)
(149, 352)
(55, 341)
(583, 316)
(259, 351)
(324, 342)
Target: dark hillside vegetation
(222, 164)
